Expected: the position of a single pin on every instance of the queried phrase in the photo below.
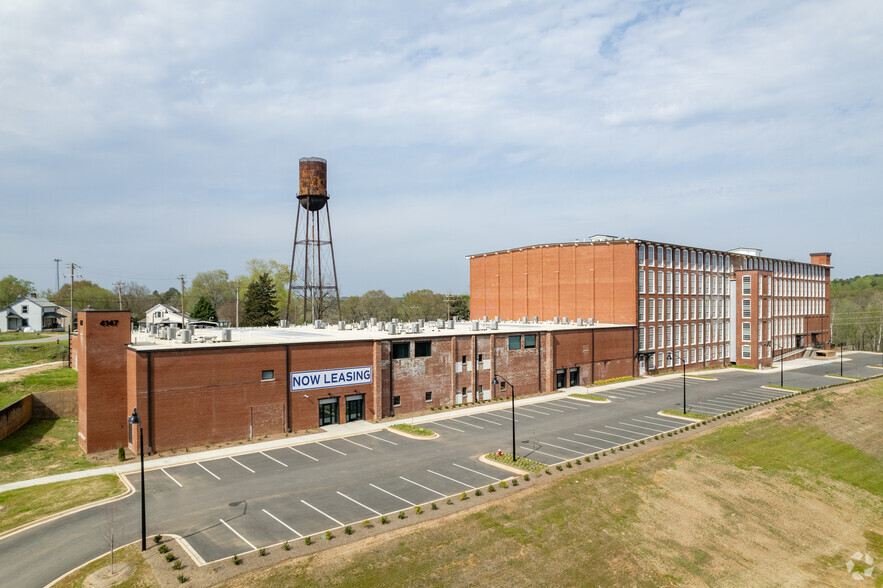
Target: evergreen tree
(204, 311)
(260, 302)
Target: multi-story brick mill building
(701, 306)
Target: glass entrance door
(355, 409)
(328, 414)
(560, 379)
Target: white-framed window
(660, 282)
(668, 257)
(659, 260)
(651, 309)
(693, 355)
(641, 254)
(650, 255)
(651, 337)
(692, 309)
(677, 335)
(660, 310)
(746, 331)
(693, 334)
(686, 309)
(701, 281)
(692, 260)
(746, 352)
(641, 338)
(677, 309)
(640, 310)
(746, 308)
(746, 285)
(640, 281)
(677, 283)
(701, 355)
(707, 260)
(651, 281)
(668, 314)
(677, 258)
(650, 361)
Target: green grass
(590, 397)
(60, 378)
(698, 377)
(42, 448)
(612, 381)
(26, 505)
(4, 337)
(743, 367)
(130, 554)
(690, 415)
(412, 429)
(13, 356)
(522, 463)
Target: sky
(143, 140)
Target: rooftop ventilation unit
(185, 336)
(475, 325)
(226, 335)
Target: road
(237, 504)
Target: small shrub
(669, 433)
(348, 530)
(308, 540)
(548, 472)
(163, 548)
(418, 510)
(462, 496)
(366, 524)
(478, 492)
(157, 538)
(515, 481)
(236, 561)
(121, 454)
(262, 551)
(620, 447)
(401, 514)
(449, 501)
(384, 520)
(491, 488)
(182, 578)
(567, 465)
(656, 437)
(578, 462)
(527, 477)
(177, 565)
(286, 546)
(642, 441)
(433, 506)
(170, 557)
(612, 450)
(559, 468)
(328, 535)
(503, 484)
(596, 456)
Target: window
(641, 255)
(641, 338)
(746, 352)
(677, 258)
(266, 375)
(660, 310)
(668, 256)
(746, 331)
(428, 396)
(651, 282)
(401, 350)
(24, 309)
(659, 254)
(746, 285)
(651, 309)
(746, 308)
(514, 342)
(640, 310)
(530, 341)
(677, 309)
(668, 314)
(650, 255)
(661, 341)
(422, 348)
(660, 286)
(693, 259)
(396, 401)
(677, 283)
(651, 337)
(640, 281)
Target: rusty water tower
(313, 275)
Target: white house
(31, 315)
(166, 315)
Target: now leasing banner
(352, 376)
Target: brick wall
(15, 416)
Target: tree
(214, 285)
(136, 299)
(260, 302)
(204, 311)
(12, 288)
(376, 304)
(278, 274)
(424, 304)
(459, 306)
(87, 295)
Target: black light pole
(135, 420)
(841, 360)
(512, 392)
(684, 364)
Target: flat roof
(211, 337)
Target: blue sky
(143, 140)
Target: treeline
(263, 298)
(857, 312)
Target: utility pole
(57, 275)
(183, 321)
(237, 302)
(119, 286)
(70, 325)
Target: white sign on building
(334, 378)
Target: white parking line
(393, 495)
(253, 548)
(580, 443)
(627, 431)
(245, 466)
(565, 406)
(322, 513)
(532, 451)
(639, 427)
(171, 478)
(504, 416)
(273, 458)
(546, 406)
(359, 444)
(613, 434)
(208, 470)
(544, 443)
(380, 439)
(669, 421)
(331, 448)
(447, 427)
(359, 503)
(473, 471)
(302, 453)
(450, 478)
(729, 405)
(658, 428)
(467, 424)
(422, 486)
(575, 403)
(533, 410)
(523, 415)
(596, 438)
(281, 523)
(472, 416)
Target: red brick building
(701, 306)
(276, 380)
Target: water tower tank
(313, 183)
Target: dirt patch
(107, 577)
(18, 375)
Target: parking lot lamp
(512, 393)
(684, 364)
(136, 420)
(841, 360)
